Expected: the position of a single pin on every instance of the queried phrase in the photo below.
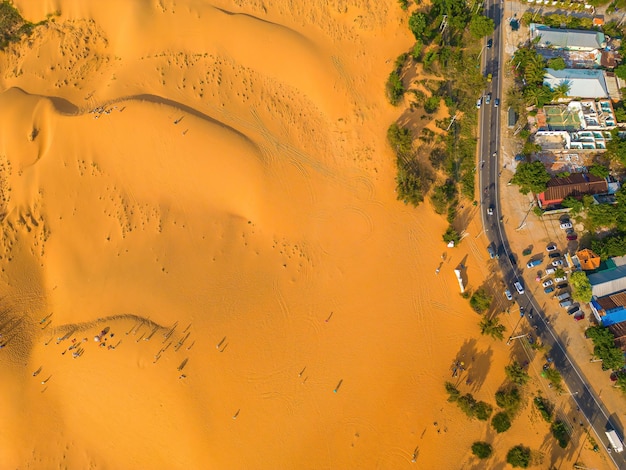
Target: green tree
(501, 422)
(492, 327)
(554, 377)
(482, 450)
(481, 26)
(483, 410)
(480, 300)
(573, 203)
(561, 433)
(416, 52)
(531, 177)
(607, 247)
(509, 399)
(581, 287)
(519, 456)
(400, 139)
(432, 104)
(545, 408)
(443, 195)
(599, 170)
(404, 4)
(560, 91)
(409, 183)
(602, 215)
(394, 88)
(620, 71)
(556, 63)
(616, 147)
(517, 374)
(453, 392)
(451, 235)
(417, 24)
(604, 347)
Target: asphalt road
(587, 400)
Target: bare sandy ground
(205, 188)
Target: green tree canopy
(620, 71)
(599, 170)
(581, 287)
(417, 24)
(556, 63)
(482, 450)
(481, 26)
(561, 433)
(492, 327)
(516, 373)
(519, 456)
(531, 177)
(616, 147)
(400, 139)
(501, 422)
(604, 347)
(480, 300)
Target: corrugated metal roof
(582, 83)
(608, 281)
(576, 185)
(567, 38)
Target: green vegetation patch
(517, 374)
(501, 422)
(12, 26)
(480, 300)
(518, 456)
(604, 347)
(544, 407)
(560, 433)
(482, 450)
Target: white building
(567, 39)
(582, 83)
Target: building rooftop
(589, 261)
(567, 38)
(575, 185)
(582, 83)
(609, 281)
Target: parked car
(507, 294)
(496, 102)
(566, 225)
(479, 101)
(491, 251)
(547, 283)
(519, 287)
(573, 310)
(579, 316)
(489, 43)
(533, 263)
(550, 270)
(562, 286)
(557, 262)
(490, 210)
(562, 296)
(555, 254)
(565, 303)
(560, 279)
(549, 290)
(551, 247)
(571, 236)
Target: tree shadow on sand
(472, 366)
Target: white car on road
(551, 247)
(566, 225)
(507, 294)
(548, 283)
(557, 262)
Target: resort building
(582, 83)
(576, 185)
(586, 260)
(566, 39)
(610, 309)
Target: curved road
(585, 397)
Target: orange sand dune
(205, 188)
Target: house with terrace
(608, 287)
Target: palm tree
(561, 90)
(492, 327)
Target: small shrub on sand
(544, 407)
(482, 450)
(501, 422)
(561, 433)
(519, 456)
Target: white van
(519, 288)
(616, 443)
